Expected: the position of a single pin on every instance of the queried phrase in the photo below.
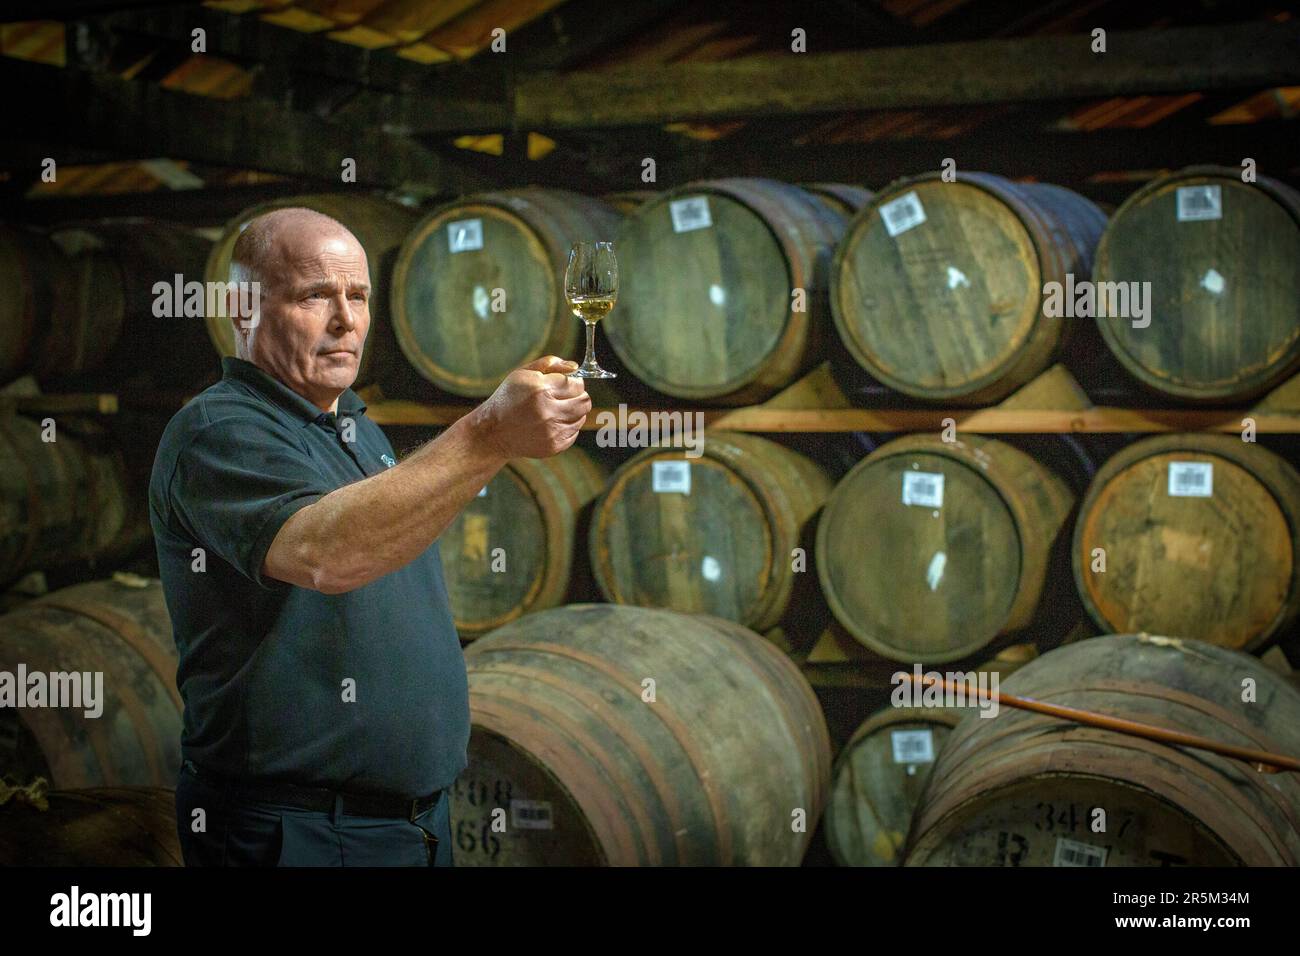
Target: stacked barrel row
(733, 287)
(926, 550)
(944, 786)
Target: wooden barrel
(1201, 539)
(63, 501)
(713, 534)
(928, 550)
(1223, 261)
(707, 306)
(1021, 789)
(379, 225)
(630, 200)
(636, 736)
(511, 550)
(120, 628)
(877, 781)
(105, 826)
(34, 275)
(937, 287)
(114, 333)
(843, 198)
(478, 289)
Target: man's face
(315, 312)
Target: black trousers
(238, 832)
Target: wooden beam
(1177, 60)
(102, 110)
(988, 421)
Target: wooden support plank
(1176, 60)
(90, 403)
(1056, 388)
(1284, 398)
(103, 110)
(987, 421)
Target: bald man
(326, 702)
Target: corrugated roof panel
(40, 41)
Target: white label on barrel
(1199, 202)
(912, 746)
(670, 476)
(1074, 853)
(923, 488)
(1191, 479)
(902, 214)
(692, 213)
(465, 235)
(482, 492)
(531, 815)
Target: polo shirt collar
(271, 388)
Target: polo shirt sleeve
(236, 483)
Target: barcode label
(1074, 853)
(923, 488)
(1199, 202)
(465, 235)
(531, 815)
(912, 746)
(692, 213)
(902, 214)
(482, 492)
(1191, 479)
(671, 476)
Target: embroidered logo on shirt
(390, 462)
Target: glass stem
(590, 359)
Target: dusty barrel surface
(132, 315)
(104, 826)
(63, 501)
(1194, 535)
(379, 225)
(478, 287)
(877, 781)
(937, 287)
(36, 276)
(1021, 789)
(717, 769)
(510, 551)
(724, 292)
(710, 534)
(120, 629)
(1223, 261)
(927, 550)
(844, 198)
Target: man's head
(314, 301)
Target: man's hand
(537, 411)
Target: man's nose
(341, 312)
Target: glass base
(594, 371)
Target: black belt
(316, 798)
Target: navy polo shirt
(362, 691)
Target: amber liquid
(591, 308)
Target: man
(326, 702)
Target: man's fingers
(571, 409)
(564, 387)
(551, 363)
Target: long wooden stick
(1261, 760)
